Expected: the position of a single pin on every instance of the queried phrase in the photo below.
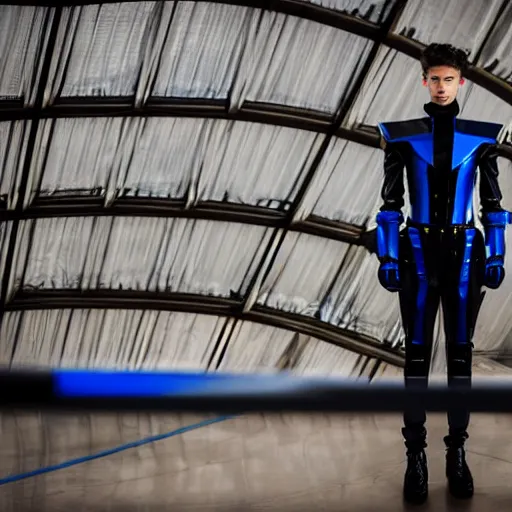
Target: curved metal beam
(207, 210)
(275, 115)
(199, 304)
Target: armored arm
(494, 218)
(390, 218)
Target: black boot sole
(460, 494)
(415, 499)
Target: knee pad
(459, 359)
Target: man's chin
(442, 101)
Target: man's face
(443, 83)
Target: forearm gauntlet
(494, 224)
(388, 235)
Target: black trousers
(439, 266)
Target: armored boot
(416, 474)
(460, 480)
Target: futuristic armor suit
(440, 257)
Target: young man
(440, 257)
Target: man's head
(444, 67)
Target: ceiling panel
(76, 156)
(334, 282)
(479, 104)
(202, 48)
(179, 158)
(261, 348)
(255, 164)
(347, 183)
(23, 36)
(505, 181)
(13, 145)
(300, 63)
(100, 49)
(114, 339)
(496, 54)
(383, 98)
(463, 23)
(138, 253)
(5, 234)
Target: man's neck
(434, 110)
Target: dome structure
(193, 185)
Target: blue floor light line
(111, 451)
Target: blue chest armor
(417, 134)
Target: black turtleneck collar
(435, 110)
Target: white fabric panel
(202, 49)
(347, 183)
(505, 181)
(139, 253)
(22, 40)
(302, 273)
(75, 155)
(255, 163)
(369, 10)
(320, 358)
(497, 52)
(307, 279)
(259, 348)
(196, 159)
(494, 326)
(5, 234)
(481, 105)
(463, 23)
(300, 63)
(383, 98)
(13, 145)
(100, 49)
(105, 338)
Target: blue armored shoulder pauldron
(396, 131)
(427, 182)
(468, 137)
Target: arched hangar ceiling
(191, 184)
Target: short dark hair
(437, 54)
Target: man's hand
(389, 276)
(494, 272)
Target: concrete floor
(272, 462)
(286, 463)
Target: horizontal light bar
(68, 390)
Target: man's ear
(462, 81)
(424, 82)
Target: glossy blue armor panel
(415, 239)
(388, 233)
(494, 224)
(469, 136)
(464, 287)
